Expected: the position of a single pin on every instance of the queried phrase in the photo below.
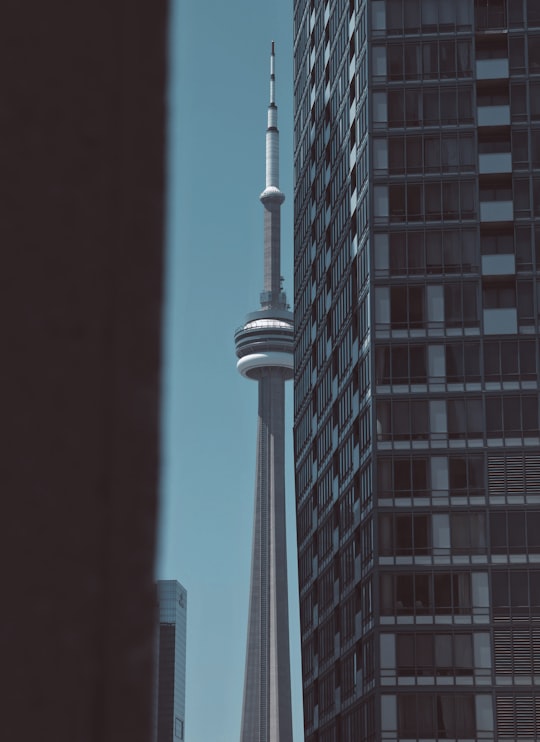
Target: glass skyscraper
(170, 664)
(417, 448)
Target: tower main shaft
(264, 348)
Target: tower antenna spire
(272, 198)
(272, 75)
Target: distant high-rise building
(170, 669)
(417, 241)
(264, 348)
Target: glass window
(418, 365)
(492, 366)
(525, 302)
(523, 248)
(464, 12)
(413, 61)
(518, 101)
(459, 716)
(464, 59)
(430, 60)
(410, 534)
(533, 13)
(533, 532)
(432, 153)
(499, 294)
(520, 147)
(512, 417)
(402, 476)
(416, 306)
(424, 657)
(465, 107)
(411, 13)
(516, 532)
(534, 54)
(468, 532)
(467, 199)
(519, 589)
(434, 260)
(463, 361)
(527, 359)
(419, 476)
(534, 97)
(535, 148)
(432, 201)
(460, 304)
(490, 14)
(509, 359)
(394, 55)
(407, 306)
(470, 310)
(414, 154)
(536, 195)
(401, 423)
(415, 252)
(493, 142)
(464, 418)
(430, 14)
(471, 361)
(413, 108)
(397, 202)
(515, 13)
(466, 152)
(405, 655)
(494, 420)
(529, 414)
(522, 196)
(431, 106)
(396, 156)
(463, 654)
(497, 532)
(452, 200)
(393, 15)
(534, 590)
(443, 654)
(415, 720)
(449, 113)
(415, 207)
(500, 594)
(447, 58)
(495, 243)
(441, 716)
(454, 362)
(382, 365)
(466, 473)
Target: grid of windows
(434, 654)
(437, 716)
(423, 593)
(417, 243)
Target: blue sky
(218, 96)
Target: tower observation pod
(264, 347)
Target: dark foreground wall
(81, 244)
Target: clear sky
(218, 97)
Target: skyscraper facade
(170, 664)
(264, 349)
(417, 241)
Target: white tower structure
(264, 346)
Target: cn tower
(264, 346)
